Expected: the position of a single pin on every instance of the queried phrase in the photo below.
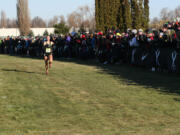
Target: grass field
(86, 98)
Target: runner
(48, 54)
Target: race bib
(48, 50)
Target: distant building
(4, 32)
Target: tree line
(166, 15)
(121, 14)
(36, 22)
(83, 18)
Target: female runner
(48, 54)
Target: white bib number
(48, 50)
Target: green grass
(85, 98)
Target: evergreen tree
(107, 15)
(126, 13)
(119, 14)
(61, 28)
(31, 33)
(46, 33)
(111, 14)
(101, 14)
(135, 14)
(97, 9)
(122, 14)
(141, 12)
(146, 14)
(132, 12)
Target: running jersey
(48, 47)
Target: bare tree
(23, 17)
(83, 11)
(53, 21)
(92, 19)
(11, 23)
(164, 13)
(177, 12)
(83, 17)
(71, 20)
(62, 19)
(74, 20)
(171, 15)
(3, 20)
(38, 22)
(155, 23)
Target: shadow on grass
(163, 82)
(176, 99)
(19, 71)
